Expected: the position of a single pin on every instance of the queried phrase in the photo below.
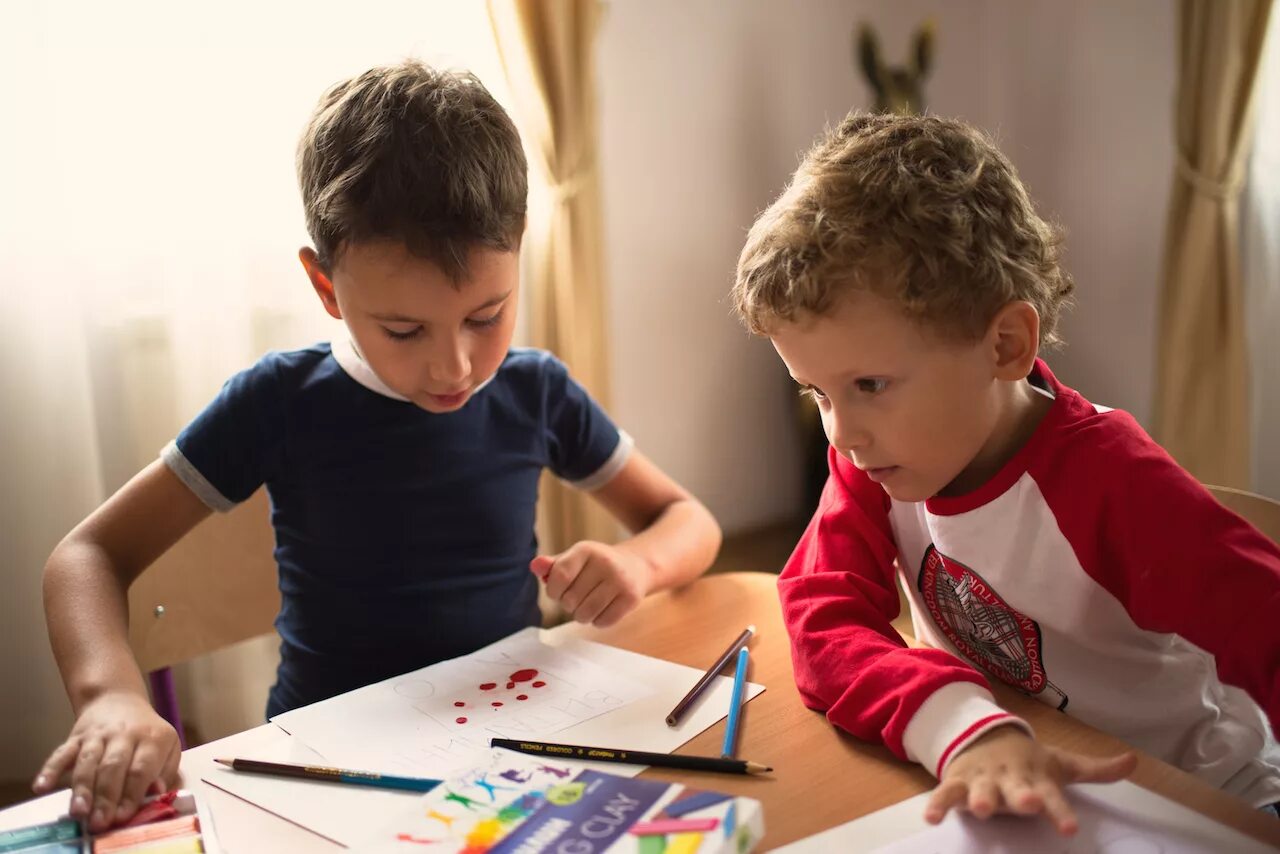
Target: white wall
(706, 106)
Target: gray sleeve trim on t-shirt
(609, 470)
(195, 481)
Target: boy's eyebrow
(396, 317)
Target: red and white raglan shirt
(1091, 572)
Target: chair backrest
(1261, 512)
(216, 587)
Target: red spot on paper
(523, 675)
(510, 685)
(459, 703)
(460, 721)
(496, 703)
(488, 686)
(539, 684)
(522, 696)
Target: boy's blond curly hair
(919, 209)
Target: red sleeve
(1177, 560)
(838, 597)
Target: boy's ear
(320, 280)
(1014, 340)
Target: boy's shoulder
(1095, 454)
(286, 366)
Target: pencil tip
(752, 628)
(223, 761)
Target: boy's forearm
(87, 611)
(678, 546)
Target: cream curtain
(547, 50)
(1202, 390)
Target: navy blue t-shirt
(403, 537)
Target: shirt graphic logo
(999, 639)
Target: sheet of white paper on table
(333, 810)
(434, 721)
(1116, 818)
(639, 725)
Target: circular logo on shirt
(998, 638)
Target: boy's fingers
(984, 797)
(83, 776)
(563, 572)
(948, 795)
(170, 776)
(146, 766)
(1058, 811)
(575, 597)
(108, 784)
(541, 565)
(594, 603)
(56, 766)
(617, 609)
(1020, 798)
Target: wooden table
(821, 777)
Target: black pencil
(631, 757)
(331, 775)
(701, 685)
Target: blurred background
(149, 223)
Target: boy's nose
(843, 434)
(450, 364)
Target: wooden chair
(1261, 512)
(216, 587)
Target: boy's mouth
(881, 474)
(448, 401)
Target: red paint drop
(488, 686)
(523, 675)
(496, 703)
(459, 704)
(460, 721)
(510, 685)
(539, 684)
(522, 696)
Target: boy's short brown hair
(922, 210)
(416, 155)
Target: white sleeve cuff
(609, 469)
(951, 719)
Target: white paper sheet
(345, 814)
(1116, 818)
(434, 721)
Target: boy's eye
(871, 385)
(813, 393)
(485, 322)
(406, 335)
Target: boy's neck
(1022, 409)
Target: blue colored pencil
(735, 705)
(331, 775)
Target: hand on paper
(593, 582)
(1008, 771)
(118, 751)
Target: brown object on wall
(216, 587)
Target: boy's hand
(1008, 771)
(593, 582)
(118, 750)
